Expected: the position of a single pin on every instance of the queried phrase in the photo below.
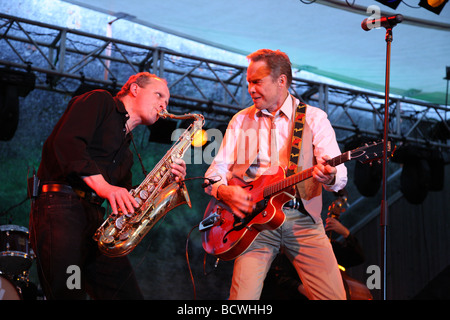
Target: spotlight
(447, 77)
(434, 6)
(423, 171)
(390, 3)
(415, 180)
(200, 138)
(13, 84)
(447, 73)
(368, 176)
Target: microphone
(386, 22)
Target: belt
(296, 204)
(92, 197)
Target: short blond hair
(142, 79)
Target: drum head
(7, 290)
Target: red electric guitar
(226, 236)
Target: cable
(205, 184)
(187, 260)
(408, 5)
(13, 207)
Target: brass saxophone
(156, 195)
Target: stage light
(434, 6)
(200, 138)
(13, 84)
(415, 180)
(368, 178)
(423, 171)
(390, 3)
(447, 77)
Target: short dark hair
(142, 79)
(278, 62)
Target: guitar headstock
(371, 152)
(337, 207)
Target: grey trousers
(307, 247)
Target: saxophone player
(85, 160)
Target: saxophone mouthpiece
(163, 113)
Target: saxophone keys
(119, 223)
(108, 239)
(138, 200)
(143, 195)
(124, 236)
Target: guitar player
(259, 139)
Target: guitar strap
(296, 142)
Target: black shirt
(89, 139)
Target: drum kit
(16, 258)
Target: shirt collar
(285, 109)
(120, 106)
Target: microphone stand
(388, 23)
(384, 203)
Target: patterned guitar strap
(296, 143)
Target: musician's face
(152, 99)
(265, 90)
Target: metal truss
(63, 59)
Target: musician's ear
(282, 81)
(134, 88)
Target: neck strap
(296, 143)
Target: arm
(118, 197)
(326, 147)
(237, 198)
(77, 130)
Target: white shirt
(324, 142)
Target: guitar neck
(303, 175)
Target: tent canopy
(323, 36)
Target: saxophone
(156, 195)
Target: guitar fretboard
(276, 187)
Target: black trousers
(61, 230)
